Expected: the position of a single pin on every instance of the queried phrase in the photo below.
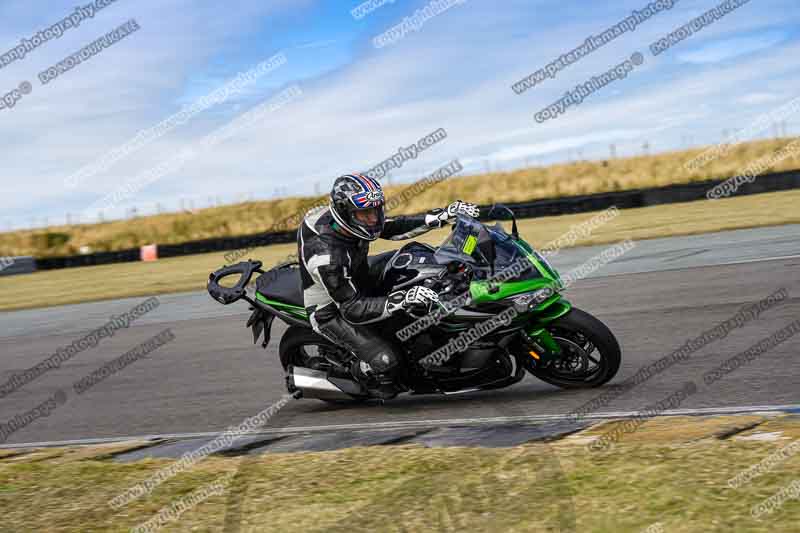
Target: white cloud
(354, 116)
(716, 52)
(758, 98)
(518, 152)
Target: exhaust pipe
(317, 384)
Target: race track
(655, 298)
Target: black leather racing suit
(339, 286)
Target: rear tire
(292, 342)
(576, 332)
(292, 351)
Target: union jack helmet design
(353, 193)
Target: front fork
(542, 348)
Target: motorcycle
(501, 314)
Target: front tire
(592, 355)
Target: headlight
(529, 300)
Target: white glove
(415, 297)
(462, 208)
(440, 217)
(420, 295)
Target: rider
(339, 285)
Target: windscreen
(470, 242)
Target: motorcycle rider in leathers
(339, 286)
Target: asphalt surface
(654, 298)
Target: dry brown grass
(533, 183)
(676, 478)
(189, 273)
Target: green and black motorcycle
(501, 314)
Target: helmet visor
(370, 220)
(367, 217)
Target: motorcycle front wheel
(591, 355)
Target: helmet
(357, 205)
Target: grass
(582, 177)
(188, 273)
(675, 478)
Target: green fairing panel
(556, 310)
(479, 290)
(295, 310)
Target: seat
(282, 285)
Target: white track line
(744, 261)
(680, 268)
(412, 424)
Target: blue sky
(360, 103)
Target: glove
(439, 217)
(415, 298)
(462, 208)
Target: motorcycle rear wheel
(302, 347)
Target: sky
(356, 103)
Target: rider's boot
(379, 385)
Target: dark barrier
(225, 243)
(10, 266)
(99, 258)
(669, 194)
